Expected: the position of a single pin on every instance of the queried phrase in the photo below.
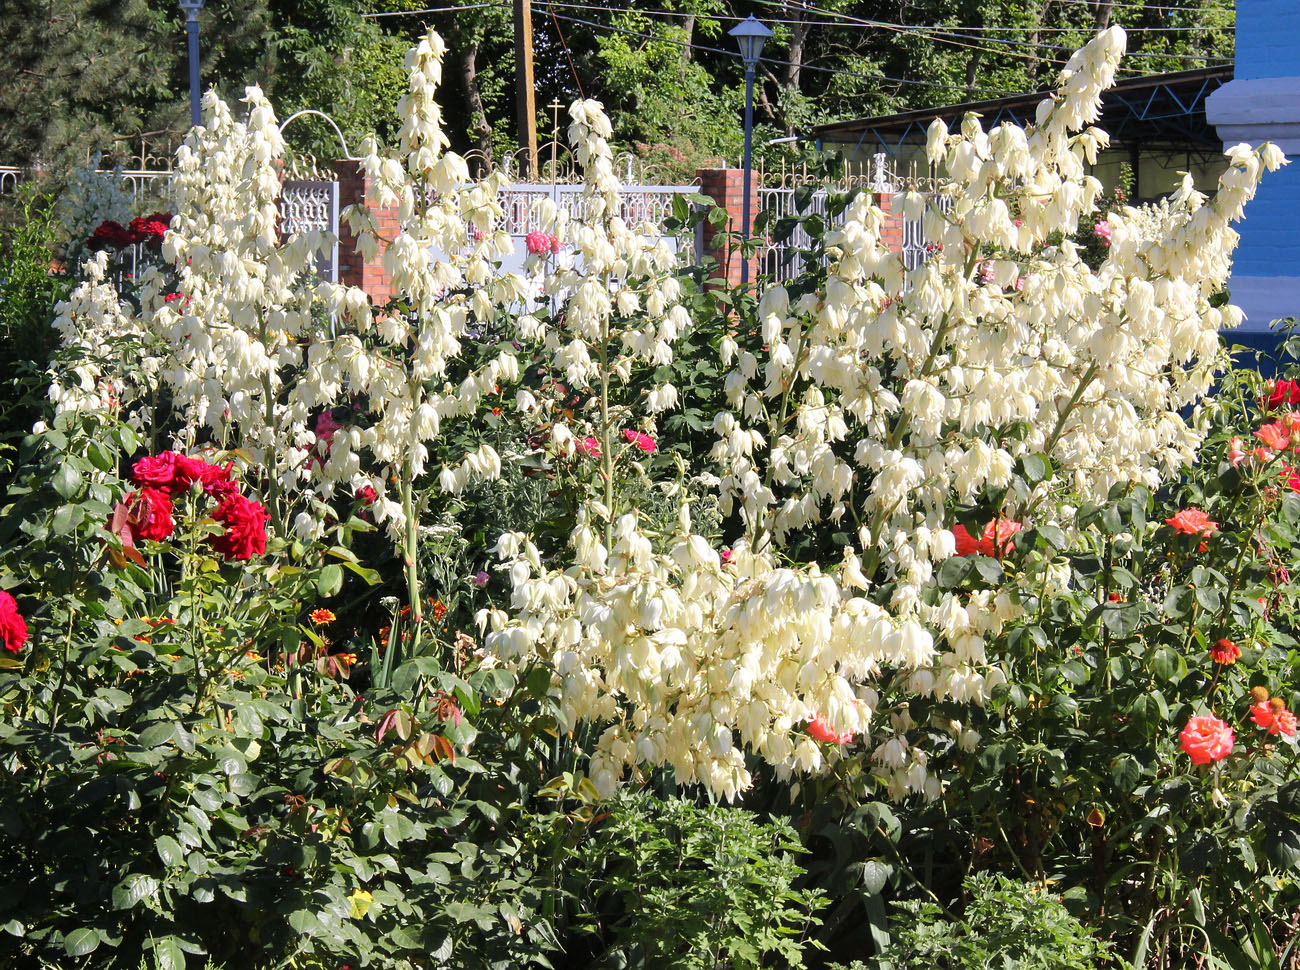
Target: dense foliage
(87, 76)
(432, 634)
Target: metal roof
(1154, 109)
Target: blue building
(1262, 103)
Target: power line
(937, 35)
(768, 60)
(408, 13)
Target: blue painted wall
(1268, 37)
(1270, 232)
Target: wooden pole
(525, 90)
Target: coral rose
(245, 522)
(1206, 739)
(642, 441)
(13, 628)
(1274, 436)
(1192, 522)
(820, 729)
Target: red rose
(13, 628)
(245, 522)
(1284, 392)
(366, 495)
(157, 471)
(149, 229)
(152, 511)
(210, 476)
(110, 234)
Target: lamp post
(750, 34)
(191, 10)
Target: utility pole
(525, 90)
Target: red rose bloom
(153, 512)
(212, 477)
(245, 522)
(1283, 393)
(366, 495)
(149, 229)
(157, 471)
(110, 235)
(13, 628)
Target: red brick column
(891, 230)
(726, 186)
(355, 189)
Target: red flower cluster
(994, 541)
(1273, 717)
(148, 229)
(147, 512)
(13, 628)
(245, 522)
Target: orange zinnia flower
(1225, 652)
(322, 616)
(1192, 522)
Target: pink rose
(538, 243)
(642, 441)
(1206, 739)
(589, 446)
(13, 628)
(1102, 231)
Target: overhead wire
(936, 34)
(770, 60)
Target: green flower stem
(410, 557)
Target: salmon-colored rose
(821, 730)
(1192, 522)
(1206, 739)
(1274, 436)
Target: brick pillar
(891, 229)
(726, 186)
(355, 189)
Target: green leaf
(1125, 772)
(168, 954)
(330, 580)
(169, 851)
(67, 482)
(1037, 467)
(133, 889)
(81, 941)
(158, 734)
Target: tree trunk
(689, 27)
(1102, 9)
(479, 126)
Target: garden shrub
(938, 553)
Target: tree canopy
(100, 75)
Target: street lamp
(750, 34)
(191, 10)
